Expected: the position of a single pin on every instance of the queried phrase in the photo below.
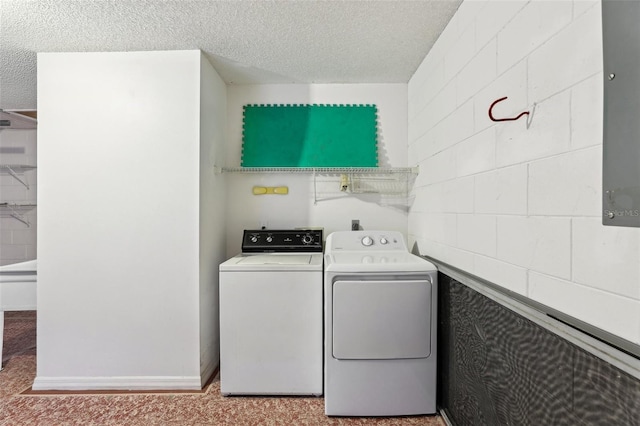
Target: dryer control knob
(383, 240)
(307, 239)
(269, 239)
(367, 241)
(254, 239)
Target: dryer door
(381, 319)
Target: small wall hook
(503, 119)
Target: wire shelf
(345, 181)
(323, 170)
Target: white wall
(213, 126)
(517, 205)
(18, 240)
(119, 253)
(333, 210)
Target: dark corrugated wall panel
(498, 368)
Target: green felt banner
(310, 136)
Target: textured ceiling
(248, 42)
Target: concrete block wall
(17, 240)
(519, 203)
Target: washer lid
(275, 259)
(274, 262)
(380, 261)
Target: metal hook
(503, 119)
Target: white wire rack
(332, 182)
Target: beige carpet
(19, 407)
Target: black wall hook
(503, 119)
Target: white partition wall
(127, 239)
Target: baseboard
(207, 372)
(19, 308)
(445, 416)
(118, 383)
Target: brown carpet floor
(135, 409)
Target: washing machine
(271, 315)
(380, 326)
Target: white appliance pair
(379, 309)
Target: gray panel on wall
(499, 368)
(621, 145)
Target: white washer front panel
(271, 332)
(381, 319)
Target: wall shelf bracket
(15, 211)
(13, 170)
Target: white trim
(1, 332)
(118, 383)
(206, 371)
(18, 278)
(16, 308)
(445, 417)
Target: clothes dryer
(380, 326)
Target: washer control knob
(307, 239)
(254, 238)
(367, 241)
(383, 240)
(269, 238)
